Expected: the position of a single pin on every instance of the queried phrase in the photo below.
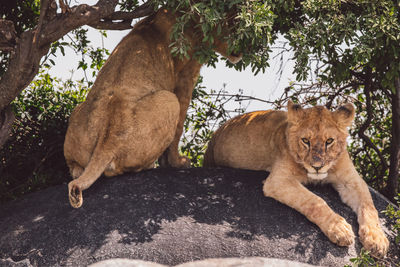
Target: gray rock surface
(170, 217)
(221, 262)
(125, 263)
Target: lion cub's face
(221, 44)
(222, 48)
(316, 136)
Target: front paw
(175, 161)
(181, 162)
(339, 231)
(374, 240)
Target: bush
(394, 214)
(32, 158)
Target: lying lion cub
(298, 147)
(136, 108)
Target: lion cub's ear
(344, 115)
(294, 112)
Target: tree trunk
(6, 120)
(393, 179)
(23, 67)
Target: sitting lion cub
(298, 147)
(137, 106)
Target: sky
(268, 85)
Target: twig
(242, 97)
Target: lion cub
(135, 111)
(298, 147)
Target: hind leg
(137, 134)
(155, 120)
(79, 142)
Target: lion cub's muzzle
(317, 175)
(317, 170)
(235, 58)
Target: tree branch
(44, 6)
(393, 178)
(338, 92)
(142, 11)
(111, 25)
(241, 97)
(367, 122)
(77, 17)
(124, 18)
(64, 7)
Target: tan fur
(136, 107)
(276, 141)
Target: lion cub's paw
(374, 240)
(340, 232)
(75, 195)
(174, 161)
(181, 162)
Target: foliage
(347, 37)
(364, 260)
(42, 113)
(91, 58)
(207, 111)
(247, 25)
(394, 214)
(252, 25)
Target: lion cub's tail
(96, 166)
(99, 162)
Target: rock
(125, 263)
(226, 262)
(170, 217)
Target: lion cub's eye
(329, 141)
(305, 141)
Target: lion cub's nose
(317, 168)
(317, 162)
